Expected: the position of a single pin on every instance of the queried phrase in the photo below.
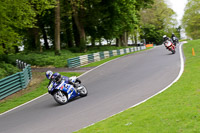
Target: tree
(33, 35)
(191, 19)
(57, 28)
(14, 16)
(157, 21)
(17, 19)
(78, 16)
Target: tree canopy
(56, 24)
(157, 21)
(191, 19)
(18, 15)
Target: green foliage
(48, 58)
(191, 19)
(7, 69)
(157, 21)
(14, 17)
(152, 34)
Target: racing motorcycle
(63, 92)
(170, 46)
(175, 40)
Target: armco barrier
(15, 82)
(86, 59)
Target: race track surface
(113, 87)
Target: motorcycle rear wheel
(60, 97)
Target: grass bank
(175, 110)
(34, 90)
(38, 85)
(48, 58)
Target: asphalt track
(113, 87)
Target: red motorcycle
(170, 46)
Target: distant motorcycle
(170, 46)
(175, 40)
(63, 92)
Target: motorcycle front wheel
(60, 97)
(83, 91)
(173, 51)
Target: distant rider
(174, 39)
(165, 38)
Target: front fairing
(167, 43)
(68, 89)
(51, 87)
(73, 79)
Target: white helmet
(49, 74)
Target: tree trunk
(135, 37)
(93, 41)
(76, 33)
(79, 26)
(69, 33)
(46, 44)
(118, 42)
(57, 28)
(100, 44)
(126, 37)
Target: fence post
(69, 63)
(21, 74)
(29, 71)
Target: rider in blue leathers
(57, 77)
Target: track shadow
(55, 104)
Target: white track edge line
(47, 93)
(177, 78)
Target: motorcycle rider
(165, 38)
(174, 39)
(57, 77)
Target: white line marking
(47, 93)
(177, 78)
(22, 104)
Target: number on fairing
(50, 86)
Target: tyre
(83, 91)
(60, 97)
(173, 51)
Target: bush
(7, 69)
(48, 58)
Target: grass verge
(175, 110)
(48, 58)
(39, 87)
(29, 93)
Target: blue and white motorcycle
(64, 92)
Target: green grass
(176, 110)
(48, 58)
(20, 99)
